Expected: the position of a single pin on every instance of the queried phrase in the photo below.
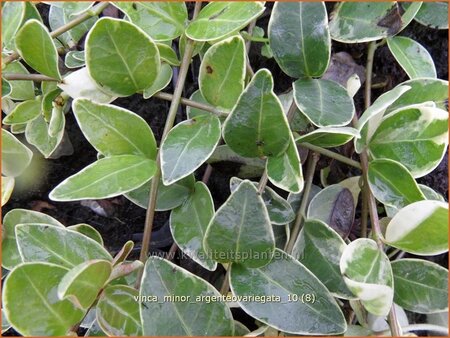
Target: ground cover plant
(322, 225)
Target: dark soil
(125, 220)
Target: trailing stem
(371, 203)
(189, 49)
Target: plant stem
(29, 77)
(372, 205)
(331, 154)
(313, 158)
(149, 217)
(263, 182)
(194, 104)
(96, 10)
(247, 36)
(226, 282)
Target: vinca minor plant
(293, 257)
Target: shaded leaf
(20, 90)
(37, 134)
(328, 137)
(188, 225)
(88, 231)
(432, 14)
(320, 248)
(162, 81)
(286, 278)
(7, 188)
(335, 206)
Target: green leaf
(421, 228)
(432, 14)
(47, 243)
(6, 88)
(190, 316)
(59, 16)
(412, 57)
(187, 146)
(368, 274)
(118, 311)
(6, 325)
(37, 134)
(113, 130)
(223, 71)
(280, 211)
(168, 197)
(430, 194)
(299, 38)
(36, 47)
(163, 21)
(371, 118)
(420, 286)
(20, 90)
(240, 231)
(83, 282)
(88, 231)
(320, 248)
(79, 84)
(334, 205)
(218, 19)
(328, 137)
(288, 288)
(107, 177)
(324, 102)
(10, 252)
(70, 61)
(31, 303)
(120, 57)
(257, 125)
(73, 7)
(240, 329)
(162, 80)
(16, 157)
(48, 103)
(422, 90)
(122, 255)
(7, 188)
(192, 112)
(392, 184)
(188, 225)
(354, 22)
(406, 135)
(285, 170)
(12, 17)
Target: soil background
(120, 220)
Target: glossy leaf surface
(286, 278)
(327, 137)
(173, 318)
(120, 57)
(107, 177)
(324, 102)
(187, 146)
(240, 231)
(299, 38)
(257, 125)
